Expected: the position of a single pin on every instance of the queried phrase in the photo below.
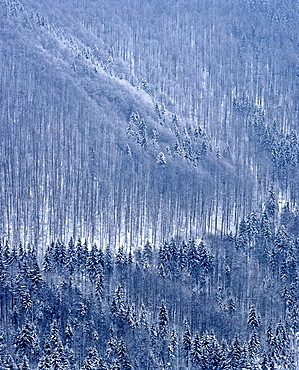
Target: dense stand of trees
(227, 303)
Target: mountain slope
(105, 153)
(70, 165)
(174, 122)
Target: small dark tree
(93, 361)
(123, 356)
(45, 362)
(163, 321)
(253, 319)
(27, 343)
(187, 343)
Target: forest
(224, 303)
(149, 185)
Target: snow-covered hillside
(149, 184)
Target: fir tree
(93, 361)
(93, 263)
(27, 342)
(187, 342)
(47, 261)
(59, 359)
(231, 306)
(254, 346)
(111, 347)
(148, 254)
(196, 351)
(172, 348)
(235, 354)
(123, 356)
(119, 309)
(45, 362)
(163, 321)
(108, 262)
(271, 203)
(253, 319)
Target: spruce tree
(93, 263)
(93, 361)
(253, 346)
(235, 354)
(45, 362)
(123, 356)
(253, 319)
(163, 321)
(196, 353)
(187, 342)
(27, 342)
(59, 359)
